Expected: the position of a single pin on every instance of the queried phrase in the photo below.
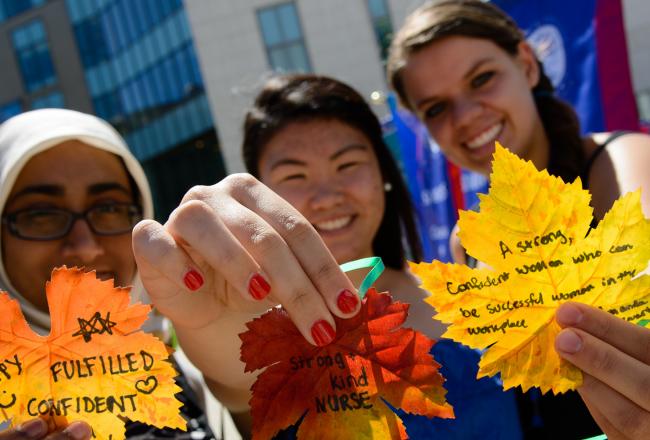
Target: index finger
(627, 337)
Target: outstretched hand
(237, 247)
(228, 253)
(614, 356)
(37, 429)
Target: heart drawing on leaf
(146, 386)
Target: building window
(91, 41)
(283, 39)
(10, 109)
(382, 25)
(33, 53)
(51, 100)
(10, 8)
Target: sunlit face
(73, 176)
(469, 92)
(329, 172)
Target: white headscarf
(30, 133)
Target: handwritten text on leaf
(339, 388)
(532, 232)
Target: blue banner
(582, 46)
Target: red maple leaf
(342, 388)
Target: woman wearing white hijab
(62, 175)
(61, 135)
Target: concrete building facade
(339, 37)
(637, 28)
(340, 40)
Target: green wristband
(377, 268)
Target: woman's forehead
(315, 136)
(72, 164)
(433, 69)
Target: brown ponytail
(562, 127)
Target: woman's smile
(334, 225)
(486, 137)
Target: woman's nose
(82, 242)
(465, 111)
(326, 194)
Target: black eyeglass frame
(10, 220)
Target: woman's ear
(526, 56)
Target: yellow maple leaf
(532, 232)
(95, 365)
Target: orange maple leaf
(341, 388)
(95, 365)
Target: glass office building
(29, 48)
(11, 8)
(138, 70)
(143, 77)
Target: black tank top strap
(584, 176)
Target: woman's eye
(106, 208)
(39, 216)
(481, 79)
(434, 110)
(293, 177)
(347, 165)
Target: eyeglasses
(43, 224)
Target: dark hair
(477, 19)
(297, 98)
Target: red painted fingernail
(347, 301)
(258, 287)
(322, 332)
(193, 280)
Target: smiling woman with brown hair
(464, 68)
